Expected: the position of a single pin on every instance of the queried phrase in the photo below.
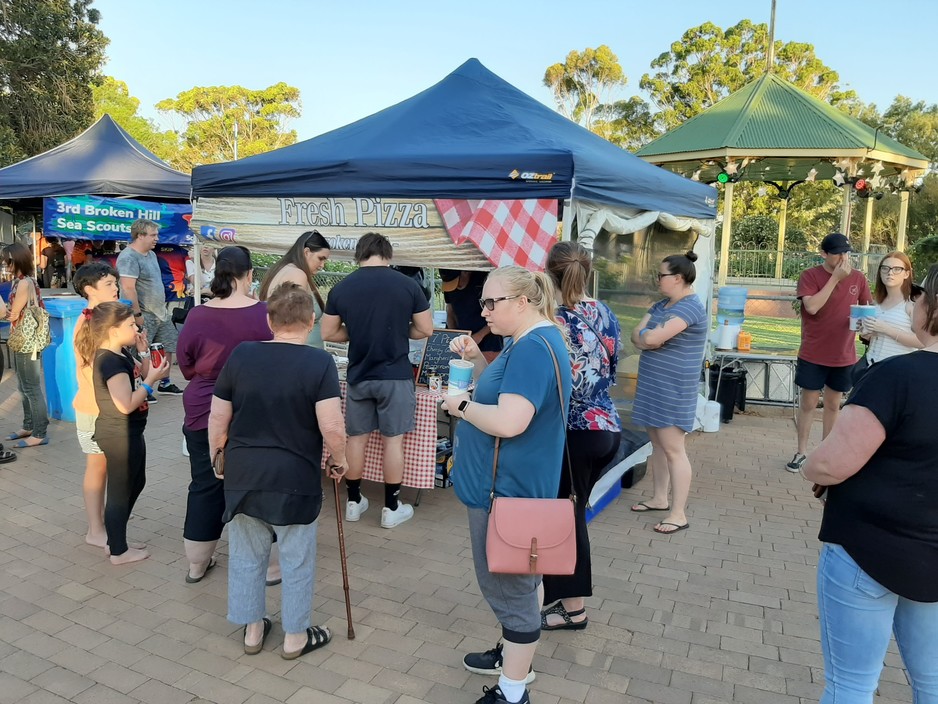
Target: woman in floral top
(593, 426)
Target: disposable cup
(460, 376)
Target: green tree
(583, 81)
(112, 97)
(51, 51)
(627, 123)
(707, 63)
(212, 113)
(914, 125)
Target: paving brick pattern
(722, 612)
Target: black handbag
(180, 314)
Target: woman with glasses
(890, 332)
(516, 400)
(877, 575)
(671, 336)
(306, 258)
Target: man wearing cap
(828, 345)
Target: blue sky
(352, 59)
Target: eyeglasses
(892, 269)
(661, 276)
(490, 302)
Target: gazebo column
(845, 211)
(903, 219)
(727, 232)
(780, 245)
(867, 229)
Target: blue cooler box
(58, 359)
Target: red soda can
(157, 355)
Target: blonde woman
(515, 399)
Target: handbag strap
(563, 417)
(592, 329)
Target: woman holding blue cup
(516, 400)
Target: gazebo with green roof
(771, 131)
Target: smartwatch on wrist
(463, 405)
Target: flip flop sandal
(274, 582)
(568, 623)
(6, 456)
(195, 580)
(646, 508)
(677, 527)
(316, 637)
(22, 444)
(16, 436)
(255, 649)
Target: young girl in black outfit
(122, 416)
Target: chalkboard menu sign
(436, 356)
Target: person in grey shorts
(377, 311)
(142, 284)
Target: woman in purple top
(210, 334)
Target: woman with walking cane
(274, 406)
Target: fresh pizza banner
(96, 218)
(444, 233)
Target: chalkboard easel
(436, 356)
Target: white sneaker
(390, 518)
(355, 509)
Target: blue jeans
(249, 541)
(858, 616)
(28, 372)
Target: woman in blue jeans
(878, 570)
(28, 366)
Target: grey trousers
(249, 541)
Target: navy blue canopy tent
(471, 136)
(102, 160)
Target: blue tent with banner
(103, 160)
(472, 135)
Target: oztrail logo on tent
(530, 176)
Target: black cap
(835, 243)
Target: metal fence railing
(773, 264)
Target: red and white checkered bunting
(507, 232)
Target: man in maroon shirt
(828, 345)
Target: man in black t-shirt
(377, 311)
(462, 291)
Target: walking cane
(348, 603)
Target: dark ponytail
(682, 264)
(232, 263)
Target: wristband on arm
(147, 387)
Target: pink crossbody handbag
(532, 536)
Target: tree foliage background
(51, 53)
(211, 114)
(113, 97)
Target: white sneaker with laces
(355, 509)
(390, 518)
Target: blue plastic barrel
(731, 305)
(58, 359)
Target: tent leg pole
(903, 220)
(780, 244)
(197, 268)
(726, 233)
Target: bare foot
(20, 434)
(273, 574)
(99, 540)
(132, 555)
(130, 544)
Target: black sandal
(316, 637)
(6, 456)
(568, 623)
(255, 649)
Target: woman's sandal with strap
(255, 649)
(568, 623)
(316, 637)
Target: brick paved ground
(724, 611)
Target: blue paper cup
(460, 376)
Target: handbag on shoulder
(32, 333)
(532, 536)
